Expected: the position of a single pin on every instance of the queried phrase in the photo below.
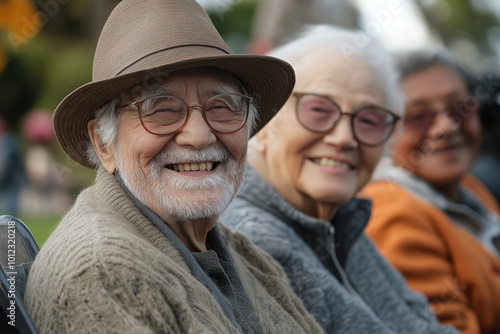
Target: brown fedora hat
(146, 38)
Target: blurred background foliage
(43, 69)
(47, 46)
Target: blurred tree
(234, 22)
(18, 84)
(18, 17)
(241, 22)
(46, 51)
(277, 21)
(3, 59)
(464, 29)
(457, 18)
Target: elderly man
(165, 122)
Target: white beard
(201, 198)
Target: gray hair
(353, 45)
(106, 119)
(410, 62)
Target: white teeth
(202, 166)
(331, 163)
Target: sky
(398, 24)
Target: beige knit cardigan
(107, 269)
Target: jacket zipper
(343, 276)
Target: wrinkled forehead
(210, 81)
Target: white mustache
(191, 155)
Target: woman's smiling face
(442, 148)
(308, 168)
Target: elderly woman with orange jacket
(435, 222)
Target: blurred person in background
(46, 194)
(165, 122)
(13, 177)
(433, 220)
(305, 167)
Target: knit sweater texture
(108, 269)
(381, 302)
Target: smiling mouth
(327, 162)
(449, 148)
(193, 167)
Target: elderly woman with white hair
(305, 167)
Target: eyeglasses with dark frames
(421, 117)
(371, 125)
(167, 114)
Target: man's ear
(105, 153)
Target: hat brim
(269, 80)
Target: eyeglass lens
(166, 114)
(421, 118)
(370, 125)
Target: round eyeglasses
(420, 118)
(371, 125)
(167, 114)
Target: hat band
(169, 48)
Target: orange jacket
(442, 260)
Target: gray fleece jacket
(341, 278)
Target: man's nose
(196, 131)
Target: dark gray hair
(410, 62)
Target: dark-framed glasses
(419, 118)
(167, 114)
(371, 125)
